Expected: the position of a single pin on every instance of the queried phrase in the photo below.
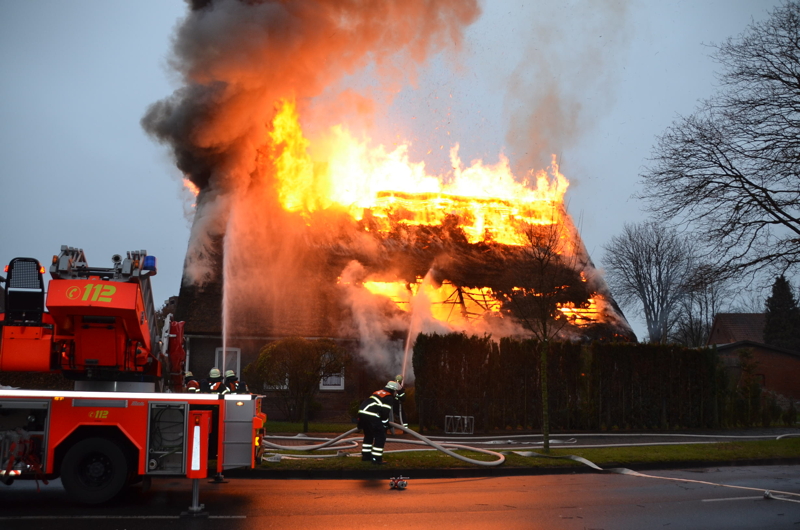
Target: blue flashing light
(150, 264)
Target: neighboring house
(778, 368)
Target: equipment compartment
(23, 432)
(166, 440)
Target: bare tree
(649, 266)
(749, 300)
(732, 169)
(706, 294)
(541, 277)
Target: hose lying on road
(524, 439)
(625, 471)
(341, 442)
(334, 443)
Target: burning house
(376, 271)
(317, 233)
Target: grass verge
(724, 452)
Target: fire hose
(341, 442)
(769, 494)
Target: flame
(399, 292)
(448, 302)
(453, 304)
(191, 187)
(488, 200)
(491, 205)
(582, 315)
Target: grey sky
(77, 77)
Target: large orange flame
(490, 203)
(343, 171)
(461, 306)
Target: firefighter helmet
(189, 374)
(393, 386)
(230, 373)
(399, 379)
(214, 372)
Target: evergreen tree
(782, 326)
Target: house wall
(335, 404)
(780, 371)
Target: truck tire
(94, 470)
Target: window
(332, 382)
(229, 359)
(284, 386)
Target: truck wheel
(94, 470)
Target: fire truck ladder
(71, 264)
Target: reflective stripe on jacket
(217, 387)
(378, 405)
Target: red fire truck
(127, 418)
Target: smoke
(384, 330)
(563, 83)
(238, 60)
(376, 319)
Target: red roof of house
(735, 327)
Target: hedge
(591, 386)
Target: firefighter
(190, 383)
(373, 418)
(399, 399)
(214, 383)
(233, 384)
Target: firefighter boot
(366, 457)
(378, 460)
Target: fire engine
(127, 419)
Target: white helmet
(394, 386)
(214, 372)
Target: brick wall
(780, 371)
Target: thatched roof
(312, 304)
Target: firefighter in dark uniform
(214, 384)
(373, 418)
(399, 399)
(190, 383)
(233, 384)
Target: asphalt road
(579, 501)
